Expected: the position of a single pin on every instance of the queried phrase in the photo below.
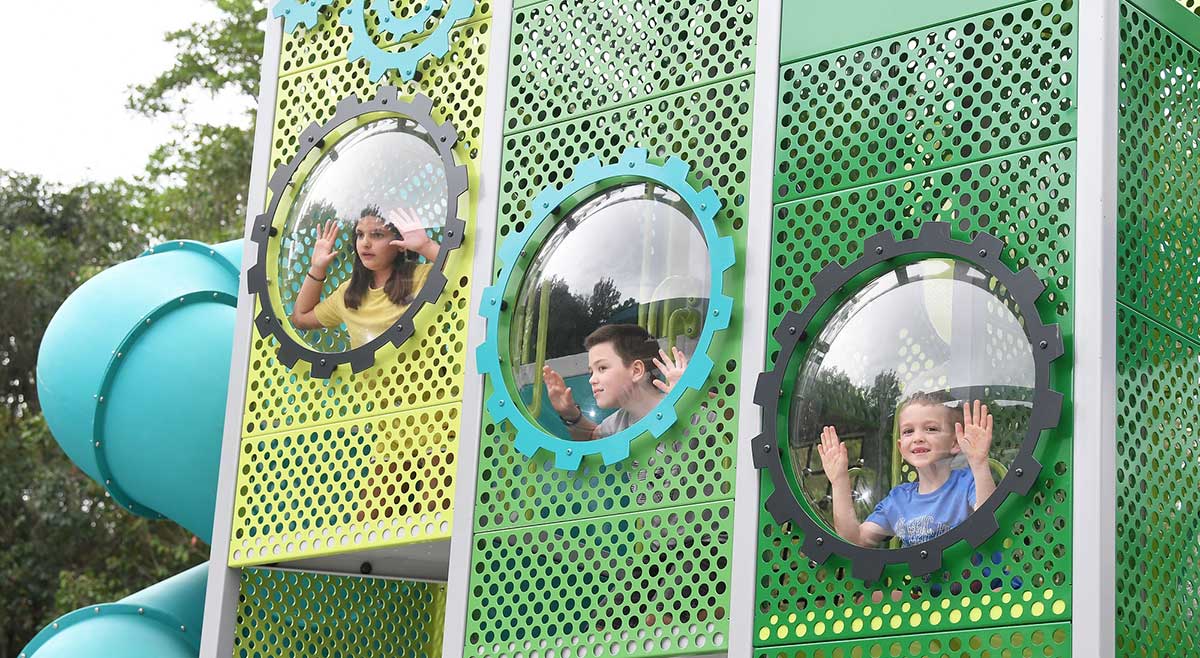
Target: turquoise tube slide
(132, 377)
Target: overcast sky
(66, 70)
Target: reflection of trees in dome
(570, 317)
(863, 416)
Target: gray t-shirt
(616, 421)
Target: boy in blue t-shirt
(931, 434)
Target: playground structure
(417, 495)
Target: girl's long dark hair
(398, 287)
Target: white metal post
(1094, 455)
(221, 596)
(462, 539)
(754, 326)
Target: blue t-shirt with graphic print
(915, 517)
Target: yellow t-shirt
(375, 315)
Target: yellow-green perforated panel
(346, 486)
(413, 384)
(329, 39)
(282, 614)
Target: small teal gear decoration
(504, 406)
(436, 44)
(295, 14)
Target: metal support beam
(221, 597)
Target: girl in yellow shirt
(382, 284)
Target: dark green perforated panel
(285, 613)
(928, 99)
(1159, 155)
(969, 123)
(1158, 489)
(1158, 333)
(1040, 641)
(630, 559)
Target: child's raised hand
(834, 459)
(412, 235)
(323, 253)
(559, 393)
(974, 434)
(672, 370)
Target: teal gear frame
(435, 44)
(515, 254)
(294, 13)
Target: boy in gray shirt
(622, 359)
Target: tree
(66, 544)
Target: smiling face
(927, 434)
(613, 381)
(372, 243)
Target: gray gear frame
(268, 322)
(795, 331)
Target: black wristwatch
(570, 423)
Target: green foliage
(66, 544)
(222, 54)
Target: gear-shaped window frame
(796, 335)
(520, 249)
(350, 114)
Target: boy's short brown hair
(629, 341)
(934, 399)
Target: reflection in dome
(384, 165)
(934, 326)
(632, 255)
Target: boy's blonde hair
(933, 399)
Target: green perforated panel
(571, 58)
(1158, 338)
(455, 83)
(1158, 489)
(1040, 641)
(928, 99)
(283, 613)
(630, 559)
(969, 123)
(635, 584)
(1159, 152)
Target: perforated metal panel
(300, 491)
(1158, 337)
(636, 584)
(345, 486)
(283, 614)
(1040, 640)
(971, 123)
(329, 39)
(630, 559)
(962, 91)
(573, 58)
